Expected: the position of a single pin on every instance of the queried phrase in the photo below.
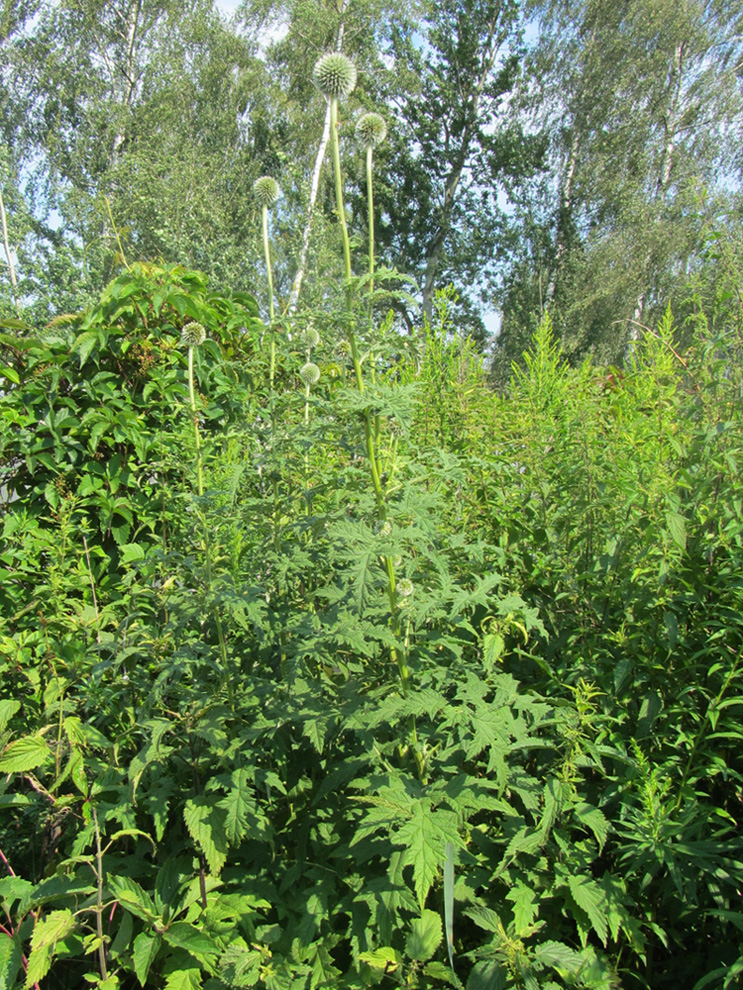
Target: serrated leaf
(590, 898)
(524, 907)
(183, 935)
(188, 978)
(11, 956)
(24, 754)
(384, 958)
(425, 936)
(206, 826)
(595, 820)
(488, 975)
(559, 956)
(131, 552)
(8, 708)
(131, 896)
(237, 806)
(144, 952)
(51, 929)
(423, 838)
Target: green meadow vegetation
(324, 665)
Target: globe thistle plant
(310, 374)
(193, 334)
(371, 130)
(310, 337)
(267, 191)
(334, 75)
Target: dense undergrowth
(269, 721)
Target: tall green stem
(267, 256)
(370, 199)
(207, 543)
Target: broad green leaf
(590, 898)
(206, 826)
(184, 978)
(8, 708)
(24, 754)
(52, 928)
(423, 839)
(525, 908)
(595, 820)
(425, 936)
(183, 935)
(131, 552)
(145, 950)
(131, 896)
(384, 958)
(11, 956)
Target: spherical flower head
(405, 588)
(310, 374)
(193, 335)
(371, 130)
(310, 337)
(266, 190)
(334, 74)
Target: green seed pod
(371, 130)
(193, 335)
(334, 74)
(266, 190)
(310, 337)
(405, 588)
(310, 373)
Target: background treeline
(571, 157)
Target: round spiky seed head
(193, 335)
(310, 373)
(310, 337)
(405, 588)
(266, 190)
(371, 130)
(334, 74)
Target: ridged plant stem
(207, 543)
(267, 256)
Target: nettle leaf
(11, 957)
(52, 928)
(593, 819)
(145, 950)
(239, 805)
(424, 839)
(205, 822)
(8, 708)
(239, 966)
(525, 909)
(131, 896)
(183, 935)
(425, 937)
(24, 754)
(590, 898)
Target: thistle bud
(193, 335)
(405, 588)
(371, 130)
(310, 337)
(310, 374)
(266, 190)
(334, 74)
